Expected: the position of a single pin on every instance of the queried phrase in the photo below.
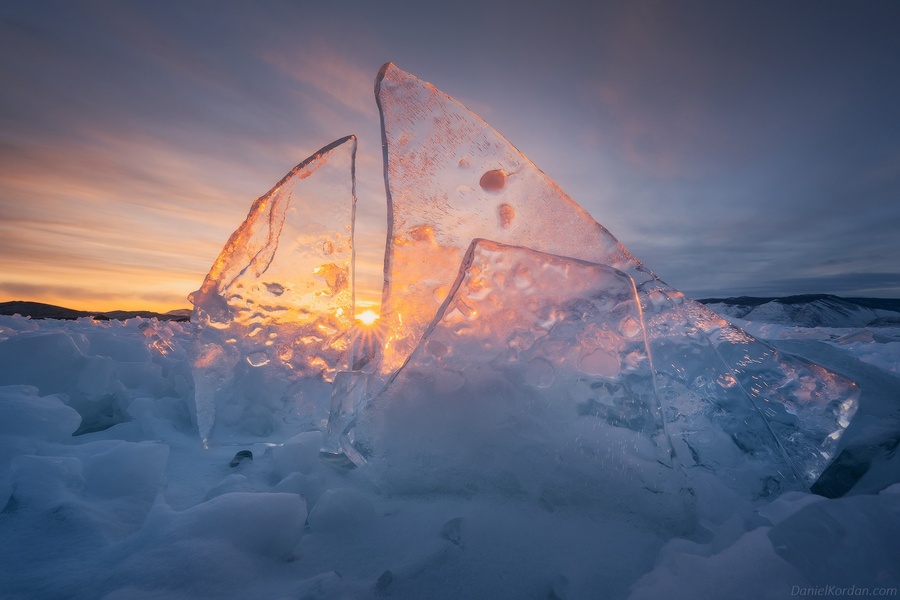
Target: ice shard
(451, 178)
(534, 378)
(536, 360)
(273, 316)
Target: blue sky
(734, 147)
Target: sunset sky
(734, 147)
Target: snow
(139, 509)
(878, 346)
(808, 311)
(885, 356)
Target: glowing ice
(547, 358)
(534, 378)
(451, 179)
(274, 314)
(274, 318)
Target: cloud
(327, 74)
(100, 290)
(134, 137)
(878, 285)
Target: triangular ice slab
(451, 178)
(274, 313)
(534, 377)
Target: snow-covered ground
(131, 505)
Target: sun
(367, 339)
(367, 317)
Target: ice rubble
(97, 370)
(274, 314)
(720, 398)
(139, 510)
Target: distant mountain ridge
(811, 310)
(40, 310)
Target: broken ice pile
(512, 323)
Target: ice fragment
(540, 372)
(452, 179)
(435, 147)
(273, 316)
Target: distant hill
(811, 310)
(39, 310)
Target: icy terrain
(536, 415)
(815, 310)
(133, 507)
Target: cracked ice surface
(451, 178)
(534, 378)
(274, 313)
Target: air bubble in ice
(507, 214)
(493, 180)
(630, 327)
(257, 359)
(600, 362)
(539, 373)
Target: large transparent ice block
(807, 406)
(273, 316)
(451, 178)
(533, 378)
(714, 424)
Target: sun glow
(367, 317)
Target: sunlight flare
(367, 317)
